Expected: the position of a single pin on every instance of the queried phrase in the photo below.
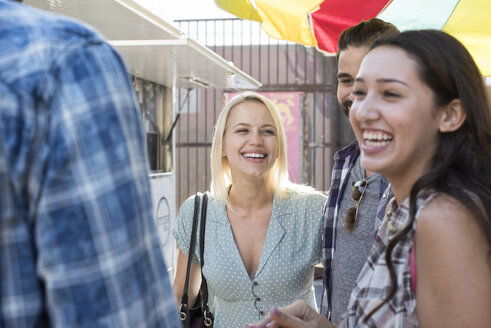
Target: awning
(152, 48)
(467, 20)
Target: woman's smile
(375, 141)
(255, 156)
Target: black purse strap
(184, 308)
(207, 316)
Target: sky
(192, 9)
(171, 10)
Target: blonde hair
(221, 179)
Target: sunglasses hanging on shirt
(351, 215)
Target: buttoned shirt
(78, 243)
(344, 161)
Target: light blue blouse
(285, 272)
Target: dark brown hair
(364, 33)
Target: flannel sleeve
(98, 254)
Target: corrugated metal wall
(280, 67)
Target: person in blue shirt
(78, 243)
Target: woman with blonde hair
(263, 232)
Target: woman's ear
(451, 116)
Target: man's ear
(451, 116)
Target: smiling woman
(422, 91)
(422, 118)
(235, 112)
(263, 232)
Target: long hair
(221, 178)
(462, 162)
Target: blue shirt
(285, 271)
(344, 161)
(78, 243)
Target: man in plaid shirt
(78, 243)
(345, 247)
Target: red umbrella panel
(334, 16)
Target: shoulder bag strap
(207, 316)
(184, 308)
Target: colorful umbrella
(320, 22)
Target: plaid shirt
(78, 243)
(373, 282)
(344, 160)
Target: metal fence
(281, 67)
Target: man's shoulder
(31, 39)
(34, 24)
(344, 159)
(351, 150)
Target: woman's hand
(296, 315)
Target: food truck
(161, 60)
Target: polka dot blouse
(286, 268)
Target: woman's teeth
(254, 155)
(376, 139)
